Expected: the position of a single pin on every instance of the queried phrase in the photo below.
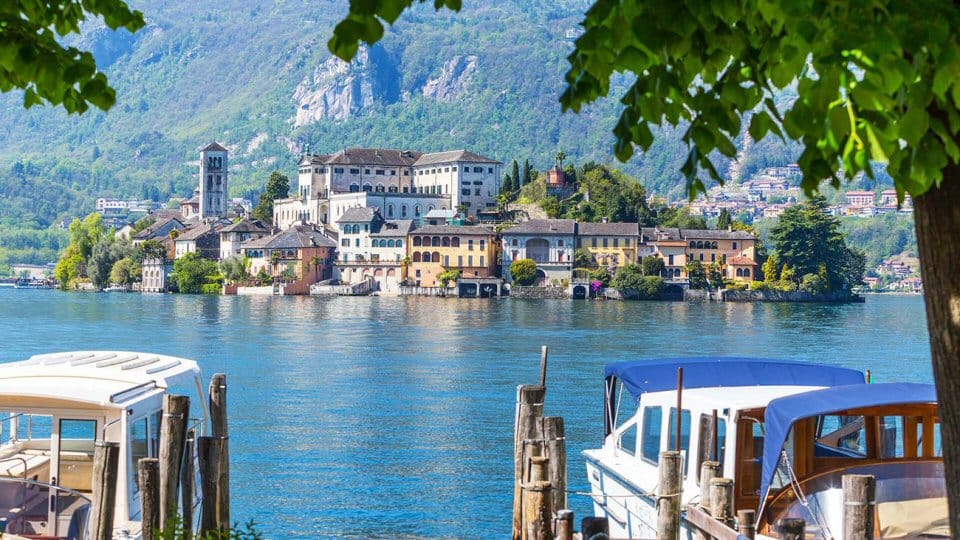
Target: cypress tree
(515, 185)
(526, 172)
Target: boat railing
(25, 504)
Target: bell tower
(213, 181)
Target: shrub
(651, 287)
(523, 272)
(210, 288)
(628, 276)
(447, 276)
(602, 275)
(653, 266)
(813, 283)
(760, 286)
(697, 275)
(786, 286)
(733, 285)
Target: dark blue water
(393, 417)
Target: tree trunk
(937, 215)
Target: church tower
(213, 181)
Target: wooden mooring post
(859, 499)
(173, 433)
(668, 496)
(213, 515)
(526, 427)
(537, 511)
(218, 417)
(708, 471)
(721, 500)
(148, 472)
(555, 443)
(747, 523)
(563, 525)
(106, 461)
(187, 483)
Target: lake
(390, 417)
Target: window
(139, 448)
(734, 245)
(391, 243)
(841, 436)
(470, 244)
(670, 260)
(605, 240)
(399, 243)
(357, 242)
(403, 211)
(478, 169)
(616, 242)
(560, 242)
(470, 260)
(713, 257)
(627, 442)
(339, 170)
(381, 172)
(446, 260)
(514, 242)
(490, 170)
(652, 424)
(455, 242)
(393, 172)
(481, 261)
(454, 169)
(446, 169)
(684, 431)
(693, 244)
(366, 171)
(459, 260)
(483, 244)
(707, 443)
(354, 188)
(701, 256)
(476, 192)
(390, 209)
(406, 189)
(367, 187)
(416, 210)
(478, 182)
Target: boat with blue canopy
(786, 432)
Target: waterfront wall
(427, 291)
(634, 294)
(539, 293)
(794, 296)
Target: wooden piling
(668, 497)
(148, 472)
(859, 495)
(564, 525)
(214, 515)
(721, 500)
(543, 366)
(747, 523)
(708, 471)
(537, 511)
(526, 427)
(791, 528)
(173, 432)
(538, 469)
(187, 480)
(106, 460)
(218, 417)
(556, 449)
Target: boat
(54, 408)
(785, 432)
(31, 284)
(115, 288)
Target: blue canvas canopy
(783, 412)
(706, 372)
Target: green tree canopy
(278, 187)
(653, 265)
(523, 272)
(191, 273)
(34, 56)
(126, 271)
(696, 274)
(724, 220)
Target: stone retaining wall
(539, 293)
(428, 291)
(795, 296)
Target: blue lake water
(393, 417)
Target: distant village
(382, 221)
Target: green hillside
(239, 71)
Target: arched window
(430, 208)
(436, 256)
(354, 188)
(693, 244)
(390, 209)
(446, 241)
(390, 243)
(416, 256)
(713, 245)
(403, 211)
(426, 241)
(380, 188)
(436, 241)
(416, 211)
(399, 243)
(456, 241)
(746, 272)
(514, 243)
(367, 187)
(739, 272)
(426, 256)
(392, 189)
(699, 244)
(416, 241)
(356, 229)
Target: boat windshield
(911, 501)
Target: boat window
(652, 424)
(628, 440)
(138, 450)
(891, 437)
(841, 436)
(684, 431)
(706, 441)
(76, 453)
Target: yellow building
(434, 249)
(609, 244)
(734, 251)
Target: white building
(233, 236)
(413, 206)
(548, 242)
(214, 181)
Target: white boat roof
(729, 397)
(89, 378)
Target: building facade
(434, 249)
(610, 245)
(233, 236)
(548, 242)
(300, 255)
(214, 181)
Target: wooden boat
(54, 408)
(785, 432)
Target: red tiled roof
(740, 260)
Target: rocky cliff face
(454, 79)
(338, 90)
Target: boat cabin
(55, 408)
(785, 432)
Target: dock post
(213, 515)
(668, 496)
(148, 472)
(539, 469)
(556, 450)
(543, 366)
(564, 525)
(106, 459)
(173, 432)
(526, 427)
(187, 480)
(721, 500)
(537, 511)
(859, 495)
(218, 416)
(708, 471)
(791, 528)
(747, 523)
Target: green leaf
(913, 125)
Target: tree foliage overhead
(34, 58)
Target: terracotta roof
(708, 234)
(314, 159)
(544, 227)
(399, 227)
(451, 156)
(374, 156)
(196, 232)
(861, 193)
(297, 236)
(247, 225)
(609, 229)
(740, 260)
(361, 214)
(152, 230)
(215, 147)
(652, 234)
(476, 230)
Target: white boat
(55, 407)
(115, 288)
(786, 433)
